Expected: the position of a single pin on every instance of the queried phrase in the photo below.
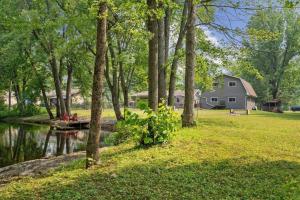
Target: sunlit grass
(254, 156)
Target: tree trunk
(57, 106)
(152, 57)
(167, 33)
(69, 89)
(19, 99)
(123, 85)
(178, 47)
(125, 82)
(57, 84)
(114, 86)
(188, 112)
(161, 60)
(92, 149)
(9, 96)
(45, 99)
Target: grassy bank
(225, 157)
(44, 118)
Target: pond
(22, 142)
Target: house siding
(250, 103)
(223, 91)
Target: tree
(152, 55)
(162, 85)
(272, 45)
(178, 47)
(188, 112)
(92, 150)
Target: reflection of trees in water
(25, 142)
(64, 142)
(22, 147)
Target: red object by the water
(74, 117)
(66, 117)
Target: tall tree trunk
(114, 85)
(69, 89)
(9, 96)
(41, 84)
(125, 80)
(178, 47)
(167, 33)
(152, 56)
(19, 99)
(123, 85)
(57, 106)
(57, 83)
(45, 99)
(188, 112)
(161, 59)
(92, 149)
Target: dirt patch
(35, 167)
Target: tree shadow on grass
(286, 115)
(226, 179)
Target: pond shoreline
(36, 167)
(107, 124)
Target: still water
(20, 142)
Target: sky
(230, 18)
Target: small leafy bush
(156, 128)
(142, 104)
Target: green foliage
(123, 131)
(155, 128)
(270, 49)
(142, 104)
(224, 157)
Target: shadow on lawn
(285, 115)
(227, 179)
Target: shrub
(155, 128)
(124, 129)
(142, 104)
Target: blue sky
(230, 18)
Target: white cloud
(210, 36)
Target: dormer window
(232, 83)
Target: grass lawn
(225, 157)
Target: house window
(232, 83)
(231, 99)
(214, 99)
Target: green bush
(155, 128)
(142, 104)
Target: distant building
(272, 106)
(13, 99)
(178, 98)
(76, 97)
(229, 92)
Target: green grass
(82, 113)
(225, 157)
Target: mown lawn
(225, 157)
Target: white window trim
(232, 82)
(232, 101)
(213, 98)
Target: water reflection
(20, 143)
